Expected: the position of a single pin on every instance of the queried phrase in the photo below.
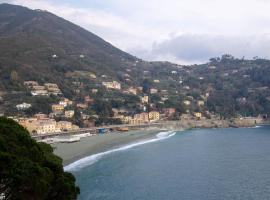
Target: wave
(89, 160)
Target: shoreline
(72, 152)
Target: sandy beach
(71, 152)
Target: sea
(198, 164)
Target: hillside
(39, 46)
(29, 39)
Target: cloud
(192, 48)
(187, 31)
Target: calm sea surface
(203, 164)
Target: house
(126, 119)
(93, 76)
(154, 115)
(53, 88)
(169, 111)
(153, 91)
(186, 102)
(23, 106)
(186, 87)
(56, 108)
(132, 90)
(82, 105)
(30, 83)
(143, 117)
(38, 87)
(69, 113)
(145, 99)
(39, 93)
(65, 102)
(64, 125)
(112, 85)
(200, 103)
(156, 81)
(40, 116)
(94, 91)
(212, 67)
(45, 126)
(198, 115)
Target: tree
(29, 170)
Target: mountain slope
(29, 39)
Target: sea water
(200, 164)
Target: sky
(181, 31)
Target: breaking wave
(89, 160)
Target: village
(62, 117)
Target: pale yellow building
(153, 116)
(145, 99)
(198, 115)
(69, 113)
(57, 108)
(112, 85)
(64, 125)
(41, 126)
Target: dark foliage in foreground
(30, 170)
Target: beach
(70, 152)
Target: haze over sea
(205, 164)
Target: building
(169, 111)
(35, 126)
(186, 102)
(156, 81)
(145, 99)
(40, 116)
(112, 85)
(65, 102)
(39, 93)
(153, 116)
(142, 117)
(126, 119)
(30, 83)
(132, 90)
(94, 91)
(23, 106)
(64, 125)
(56, 108)
(53, 88)
(198, 115)
(200, 103)
(82, 105)
(38, 87)
(153, 91)
(69, 113)
(93, 76)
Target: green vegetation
(30, 170)
(227, 86)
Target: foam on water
(89, 160)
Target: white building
(23, 106)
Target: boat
(123, 129)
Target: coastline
(71, 152)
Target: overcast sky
(182, 31)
